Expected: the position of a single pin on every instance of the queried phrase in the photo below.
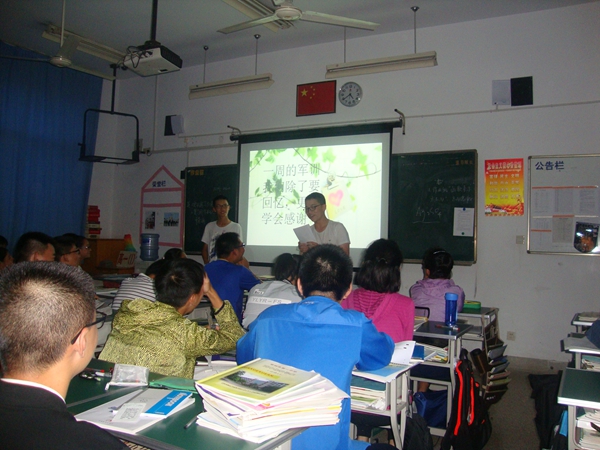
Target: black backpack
(469, 427)
(417, 435)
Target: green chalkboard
(428, 192)
(202, 184)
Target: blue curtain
(43, 186)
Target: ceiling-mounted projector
(152, 59)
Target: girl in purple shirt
(429, 292)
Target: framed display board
(202, 184)
(433, 202)
(564, 204)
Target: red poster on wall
(504, 187)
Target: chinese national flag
(315, 98)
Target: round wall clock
(350, 94)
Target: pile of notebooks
(588, 424)
(492, 366)
(137, 410)
(261, 399)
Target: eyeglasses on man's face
(221, 206)
(100, 319)
(74, 251)
(242, 245)
(312, 208)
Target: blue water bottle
(451, 308)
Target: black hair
(219, 197)
(226, 243)
(325, 269)
(155, 267)
(316, 196)
(3, 253)
(439, 262)
(79, 239)
(30, 243)
(3, 242)
(286, 266)
(380, 269)
(178, 280)
(173, 253)
(43, 305)
(63, 245)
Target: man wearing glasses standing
(326, 231)
(214, 229)
(41, 350)
(227, 276)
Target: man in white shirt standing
(215, 229)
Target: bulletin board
(564, 204)
(433, 202)
(202, 185)
(161, 208)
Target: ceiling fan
(63, 58)
(286, 11)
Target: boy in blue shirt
(318, 334)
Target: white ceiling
(186, 26)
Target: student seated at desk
(174, 253)
(34, 246)
(157, 336)
(281, 290)
(6, 260)
(140, 286)
(42, 349)
(228, 277)
(318, 334)
(66, 251)
(429, 292)
(377, 296)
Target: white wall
(447, 107)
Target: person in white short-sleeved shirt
(213, 230)
(326, 231)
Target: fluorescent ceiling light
(414, 61)
(230, 86)
(85, 45)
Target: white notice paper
(464, 219)
(305, 234)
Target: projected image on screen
(350, 176)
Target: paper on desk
(305, 234)
(403, 352)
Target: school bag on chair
(469, 427)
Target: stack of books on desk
(590, 362)
(261, 399)
(589, 437)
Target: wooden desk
(431, 329)
(168, 434)
(578, 388)
(396, 393)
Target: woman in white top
(281, 290)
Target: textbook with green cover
(260, 399)
(258, 382)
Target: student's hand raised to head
(212, 295)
